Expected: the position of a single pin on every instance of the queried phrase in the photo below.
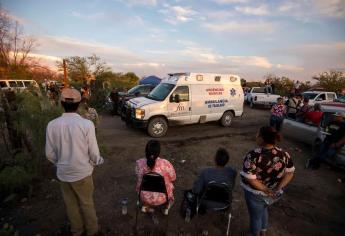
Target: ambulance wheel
(226, 119)
(157, 127)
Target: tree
(333, 81)
(84, 69)
(14, 48)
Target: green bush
(30, 113)
(14, 179)
(8, 230)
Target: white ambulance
(187, 98)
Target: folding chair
(216, 197)
(151, 182)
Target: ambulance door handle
(190, 108)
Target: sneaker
(166, 210)
(146, 209)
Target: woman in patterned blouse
(153, 163)
(277, 114)
(266, 171)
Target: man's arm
(50, 153)
(95, 157)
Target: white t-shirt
(72, 146)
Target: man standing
(332, 143)
(72, 146)
(293, 106)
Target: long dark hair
(152, 151)
(269, 135)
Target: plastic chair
(151, 182)
(217, 197)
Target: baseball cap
(341, 114)
(70, 95)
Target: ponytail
(152, 151)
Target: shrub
(14, 179)
(28, 115)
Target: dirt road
(314, 203)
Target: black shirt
(337, 131)
(220, 175)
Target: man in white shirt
(72, 146)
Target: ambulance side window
(183, 92)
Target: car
(20, 85)
(187, 98)
(137, 91)
(260, 96)
(341, 98)
(314, 135)
(319, 97)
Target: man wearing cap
(72, 146)
(332, 142)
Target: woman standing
(266, 171)
(153, 163)
(277, 114)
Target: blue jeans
(325, 152)
(258, 213)
(276, 122)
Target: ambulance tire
(157, 127)
(226, 119)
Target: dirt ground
(313, 204)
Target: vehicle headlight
(139, 113)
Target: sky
(251, 38)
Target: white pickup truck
(319, 97)
(258, 96)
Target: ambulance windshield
(161, 92)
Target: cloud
(313, 8)
(143, 64)
(241, 27)
(140, 2)
(312, 57)
(230, 1)
(199, 54)
(338, 46)
(45, 57)
(289, 67)
(65, 46)
(177, 14)
(256, 61)
(93, 16)
(257, 11)
(309, 59)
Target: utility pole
(65, 74)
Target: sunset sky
(298, 38)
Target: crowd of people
(296, 108)
(72, 146)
